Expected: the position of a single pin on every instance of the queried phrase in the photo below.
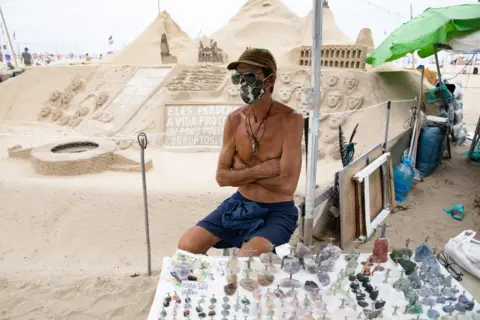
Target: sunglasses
(249, 77)
(452, 268)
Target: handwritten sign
(196, 125)
(194, 288)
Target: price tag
(194, 288)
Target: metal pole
(143, 142)
(413, 54)
(9, 39)
(314, 118)
(444, 103)
(158, 2)
(414, 130)
(385, 141)
(474, 141)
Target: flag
(110, 40)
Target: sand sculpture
(198, 78)
(365, 38)
(211, 53)
(145, 48)
(167, 58)
(124, 100)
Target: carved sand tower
(338, 51)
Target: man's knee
(186, 243)
(196, 240)
(255, 247)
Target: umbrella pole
(314, 119)
(444, 103)
(14, 55)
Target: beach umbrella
(427, 32)
(434, 29)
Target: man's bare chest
(262, 142)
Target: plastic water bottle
(403, 175)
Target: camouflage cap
(255, 57)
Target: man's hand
(238, 164)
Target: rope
(367, 108)
(466, 65)
(157, 134)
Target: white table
(166, 284)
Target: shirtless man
(262, 156)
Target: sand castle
(178, 88)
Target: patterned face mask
(251, 93)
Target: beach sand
(69, 245)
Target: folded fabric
(245, 217)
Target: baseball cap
(256, 57)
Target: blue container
(403, 175)
(430, 147)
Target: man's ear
(271, 80)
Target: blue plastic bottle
(403, 175)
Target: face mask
(251, 93)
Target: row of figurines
(315, 304)
(300, 257)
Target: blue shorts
(280, 222)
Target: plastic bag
(465, 251)
(455, 212)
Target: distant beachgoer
(101, 56)
(27, 58)
(88, 58)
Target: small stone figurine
(380, 247)
(423, 251)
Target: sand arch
(75, 157)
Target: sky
(84, 26)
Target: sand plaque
(195, 125)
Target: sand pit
(71, 244)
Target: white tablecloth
(166, 284)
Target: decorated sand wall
(190, 102)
